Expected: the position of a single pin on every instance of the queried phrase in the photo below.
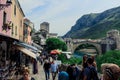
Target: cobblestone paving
(41, 74)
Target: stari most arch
(96, 45)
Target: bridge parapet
(86, 40)
(74, 43)
(97, 45)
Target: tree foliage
(55, 43)
(72, 60)
(109, 57)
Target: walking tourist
(94, 62)
(72, 72)
(35, 67)
(84, 61)
(54, 69)
(26, 75)
(78, 72)
(90, 72)
(84, 65)
(46, 68)
(63, 75)
(41, 59)
(110, 71)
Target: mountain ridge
(91, 25)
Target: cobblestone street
(41, 74)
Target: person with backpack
(90, 72)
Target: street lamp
(8, 3)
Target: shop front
(7, 62)
(12, 57)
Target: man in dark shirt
(46, 68)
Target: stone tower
(115, 35)
(44, 28)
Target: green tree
(72, 60)
(55, 43)
(108, 57)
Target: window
(4, 27)
(12, 29)
(15, 30)
(21, 23)
(15, 10)
(4, 17)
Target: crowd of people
(87, 70)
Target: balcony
(8, 3)
(7, 26)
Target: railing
(8, 3)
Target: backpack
(93, 74)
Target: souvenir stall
(7, 61)
(13, 56)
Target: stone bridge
(96, 45)
(74, 43)
(110, 42)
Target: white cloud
(55, 8)
(29, 5)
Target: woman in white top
(54, 69)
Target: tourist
(72, 72)
(54, 69)
(46, 68)
(40, 59)
(84, 65)
(110, 71)
(26, 75)
(90, 72)
(78, 72)
(94, 62)
(84, 61)
(63, 75)
(35, 66)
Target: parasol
(56, 51)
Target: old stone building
(111, 42)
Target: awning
(27, 46)
(27, 52)
(7, 38)
(37, 46)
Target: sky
(62, 14)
